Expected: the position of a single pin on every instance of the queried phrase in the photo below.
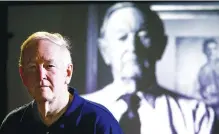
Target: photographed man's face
(126, 36)
(44, 72)
(212, 51)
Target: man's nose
(131, 44)
(41, 72)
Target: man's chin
(43, 99)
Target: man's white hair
(55, 38)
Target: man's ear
(69, 73)
(21, 72)
(103, 47)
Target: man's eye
(50, 66)
(145, 40)
(123, 37)
(31, 67)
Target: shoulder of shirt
(178, 97)
(190, 102)
(16, 114)
(204, 68)
(93, 107)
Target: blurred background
(187, 25)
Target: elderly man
(132, 39)
(56, 108)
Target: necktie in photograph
(130, 121)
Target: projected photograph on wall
(198, 67)
(149, 65)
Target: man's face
(212, 51)
(43, 72)
(127, 43)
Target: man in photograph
(209, 74)
(132, 39)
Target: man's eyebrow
(31, 61)
(120, 30)
(49, 60)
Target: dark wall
(3, 59)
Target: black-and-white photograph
(197, 68)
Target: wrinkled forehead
(42, 46)
(41, 50)
(125, 19)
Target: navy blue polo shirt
(81, 117)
